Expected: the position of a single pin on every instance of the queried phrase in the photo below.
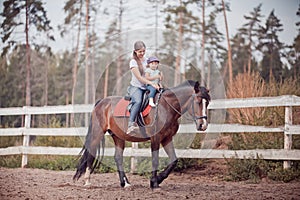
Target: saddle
(123, 106)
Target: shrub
(52, 162)
(11, 161)
(252, 85)
(247, 169)
(8, 141)
(277, 173)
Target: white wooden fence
(287, 154)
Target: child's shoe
(151, 103)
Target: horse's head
(199, 104)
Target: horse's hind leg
(88, 170)
(90, 157)
(92, 147)
(119, 149)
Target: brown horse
(161, 124)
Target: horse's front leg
(155, 160)
(119, 149)
(169, 149)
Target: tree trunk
(229, 47)
(179, 47)
(67, 114)
(93, 81)
(106, 81)
(209, 70)
(46, 85)
(156, 27)
(75, 67)
(250, 55)
(87, 84)
(203, 45)
(28, 72)
(119, 60)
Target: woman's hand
(156, 86)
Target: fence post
(133, 159)
(288, 120)
(26, 140)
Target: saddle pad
(121, 109)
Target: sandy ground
(28, 184)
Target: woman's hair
(137, 46)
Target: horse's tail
(91, 156)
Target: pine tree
(73, 8)
(183, 27)
(214, 48)
(249, 32)
(294, 51)
(271, 48)
(35, 16)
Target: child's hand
(161, 76)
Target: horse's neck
(179, 98)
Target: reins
(195, 118)
(193, 108)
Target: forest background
(96, 39)
(85, 57)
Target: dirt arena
(40, 184)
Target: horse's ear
(196, 87)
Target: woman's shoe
(133, 128)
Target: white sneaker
(151, 103)
(133, 129)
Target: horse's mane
(187, 83)
(192, 83)
(205, 93)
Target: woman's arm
(137, 74)
(151, 78)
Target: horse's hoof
(87, 184)
(156, 188)
(126, 185)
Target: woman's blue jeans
(136, 95)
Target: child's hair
(137, 46)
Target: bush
(52, 162)
(11, 161)
(246, 169)
(277, 173)
(8, 141)
(252, 85)
(253, 170)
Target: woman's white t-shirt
(134, 81)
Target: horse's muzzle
(202, 126)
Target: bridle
(194, 116)
(203, 116)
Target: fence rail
(287, 154)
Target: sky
(285, 10)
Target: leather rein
(195, 118)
